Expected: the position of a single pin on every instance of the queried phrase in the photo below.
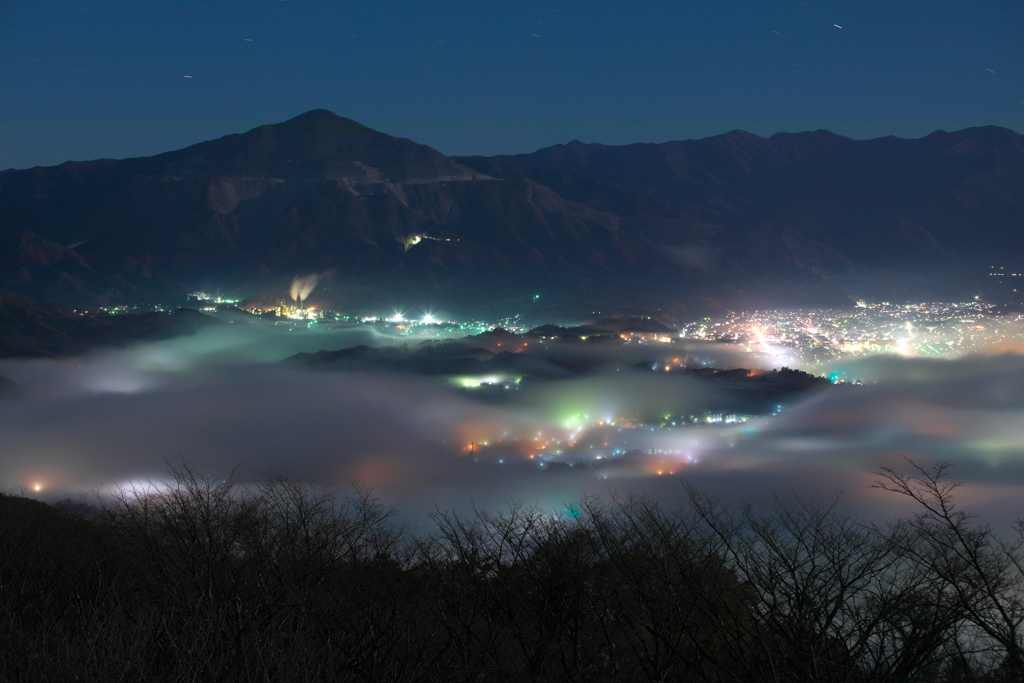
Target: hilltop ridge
(727, 221)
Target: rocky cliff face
(735, 219)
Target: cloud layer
(218, 402)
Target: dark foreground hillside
(210, 579)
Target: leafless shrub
(211, 578)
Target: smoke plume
(302, 287)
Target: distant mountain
(733, 220)
(883, 202)
(315, 145)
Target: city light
(813, 339)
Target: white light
(428, 319)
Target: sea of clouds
(221, 401)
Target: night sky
(115, 78)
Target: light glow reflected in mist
(219, 400)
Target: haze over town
(582, 413)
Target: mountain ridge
(729, 220)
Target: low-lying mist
(221, 400)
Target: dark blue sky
(107, 78)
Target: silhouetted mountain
(318, 192)
(314, 145)
(881, 202)
(738, 220)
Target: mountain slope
(314, 193)
(879, 201)
(317, 144)
(732, 220)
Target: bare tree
(201, 577)
(981, 571)
(835, 598)
(670, 606)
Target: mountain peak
(318, 120)
(315, 145)
(737, 134)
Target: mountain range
(734, 220)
